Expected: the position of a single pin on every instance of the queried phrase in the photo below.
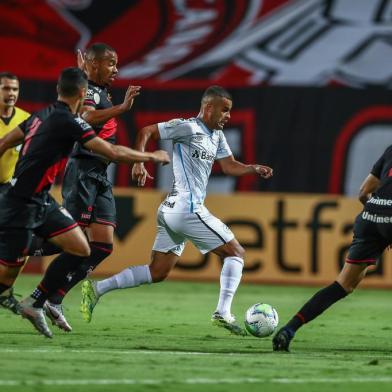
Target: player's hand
(131, 93)
(161, 156)
(140, 174)
(263, 171)
(81, 60)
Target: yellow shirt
(8, 160)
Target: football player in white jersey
(182, 216)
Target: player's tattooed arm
(11, 139)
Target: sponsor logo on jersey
(202, 155)
(82, 123)
(376, 218)
(197, 139)
(169, 204)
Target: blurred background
(311, 82)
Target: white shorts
(203, 229)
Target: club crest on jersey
(97, 98)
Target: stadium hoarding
(333, 135)
(298, 239)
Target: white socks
(229, 280)
(130, 277)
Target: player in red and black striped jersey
(48, 137)
(86, 190)
(372, 235)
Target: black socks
(321, 301)
(99, 252)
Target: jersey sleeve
(378, 166)
(82, 131)
(174, 129)
(23, 126)
(224, 150)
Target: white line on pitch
(163, 352)
(206, 381)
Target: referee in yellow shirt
(10, 118)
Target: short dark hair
(71, 80)
(215, 91)
(98, 49)
(8, 75)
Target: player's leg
(101, 244)
(134, 276)
(65, 233)
(42, 247)
(12, 244)
(232, 255)
(346, 282)
(167, 248)
(366, 248)
(89, 198)
(55, 276)
(209, 234)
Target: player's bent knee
(238, 251)
(81, 249)
(157, 274)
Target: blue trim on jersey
(183, 166)
(204, 126)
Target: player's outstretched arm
(124, 154)
(369, 185)
(98, 117)
(11, 139)
(139, 172)
(235, 168)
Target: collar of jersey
(96, 84)
(204, 126)
(65, 105)
(7, 120)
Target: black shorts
(50, 220)
(370, 239)
(87, 193)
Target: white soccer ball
(261, 320)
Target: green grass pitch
(159, 338)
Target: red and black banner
(310, 78)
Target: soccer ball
(261, 320)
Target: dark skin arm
(98, 117)
(139, 172)
(369, 185)
(11, 139)
(124, 154)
